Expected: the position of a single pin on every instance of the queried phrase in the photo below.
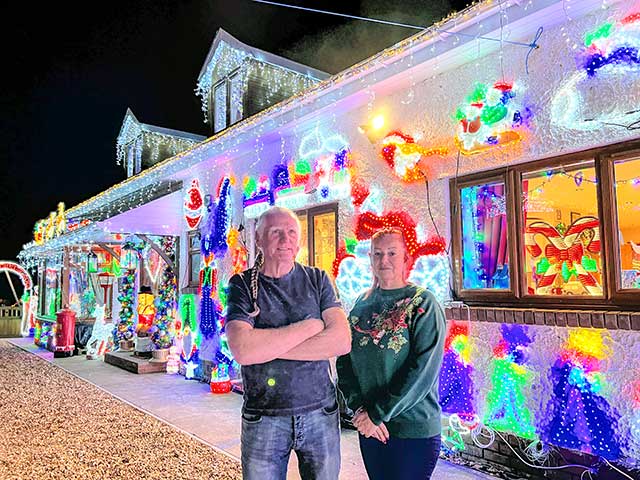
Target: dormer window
(227, 101)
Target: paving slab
(215, 419)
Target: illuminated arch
(12, 267)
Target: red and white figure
(193, 204)
(402, 154)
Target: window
(562, 231)
(485, 263)
(627, 200)
(533, 233)
(195, 258)
(318, 237)
(220, 106)
(227, 101)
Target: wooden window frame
(614, 297)
(311, 213)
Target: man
(283, 324)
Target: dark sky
(71, 69)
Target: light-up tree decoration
(506, 408)
(579, 417)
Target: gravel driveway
(55, 426)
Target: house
(504, 141)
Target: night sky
(71, 69)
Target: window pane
(627, 194)
(303, 254)
(324, 240)
(194, 274)
(562, 231)
(220, 107)
(485, 258)
(235, 105)
(194, 242)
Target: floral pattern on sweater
(387, 328)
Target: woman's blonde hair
(383, 232)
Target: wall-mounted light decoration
(403, 154)
(491, 116)
(605, 91)
(193, 204)
(579, 416)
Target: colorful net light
(506, 402)
(490, 117)
(456, 384)
(402, 154)
(579, 417)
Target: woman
(390, 378)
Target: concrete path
(215, 419)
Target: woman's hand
(369, 429)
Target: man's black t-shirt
(284, 387)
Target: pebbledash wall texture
(511, 377)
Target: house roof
(223, 36)
(130, 119)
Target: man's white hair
(262, 220)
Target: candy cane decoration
(565, 248)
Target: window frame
(613, 295)
(311, 213)
(190, 251)
(226, 80)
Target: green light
(603, 32)
(271, 382)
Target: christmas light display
(190, 335)
(402, 154)
(146, 311)
(491, 117)
(101, 340)
(163, 327)
(173, 361)
(239, 255)
(354, 274)
(613, 43)
(25, 278)
(610, 62)
(226, 59)
(124, 328)
(456, 385)
(506, 408)
(368, 223)
(574, 254)
(193, 204)
(432, 272)
(578, 416)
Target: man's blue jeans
(267, 443)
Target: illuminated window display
(627, 196)
(82, 298)
(484, 237)
(317, 238)
(562, 231)
(52, 292)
